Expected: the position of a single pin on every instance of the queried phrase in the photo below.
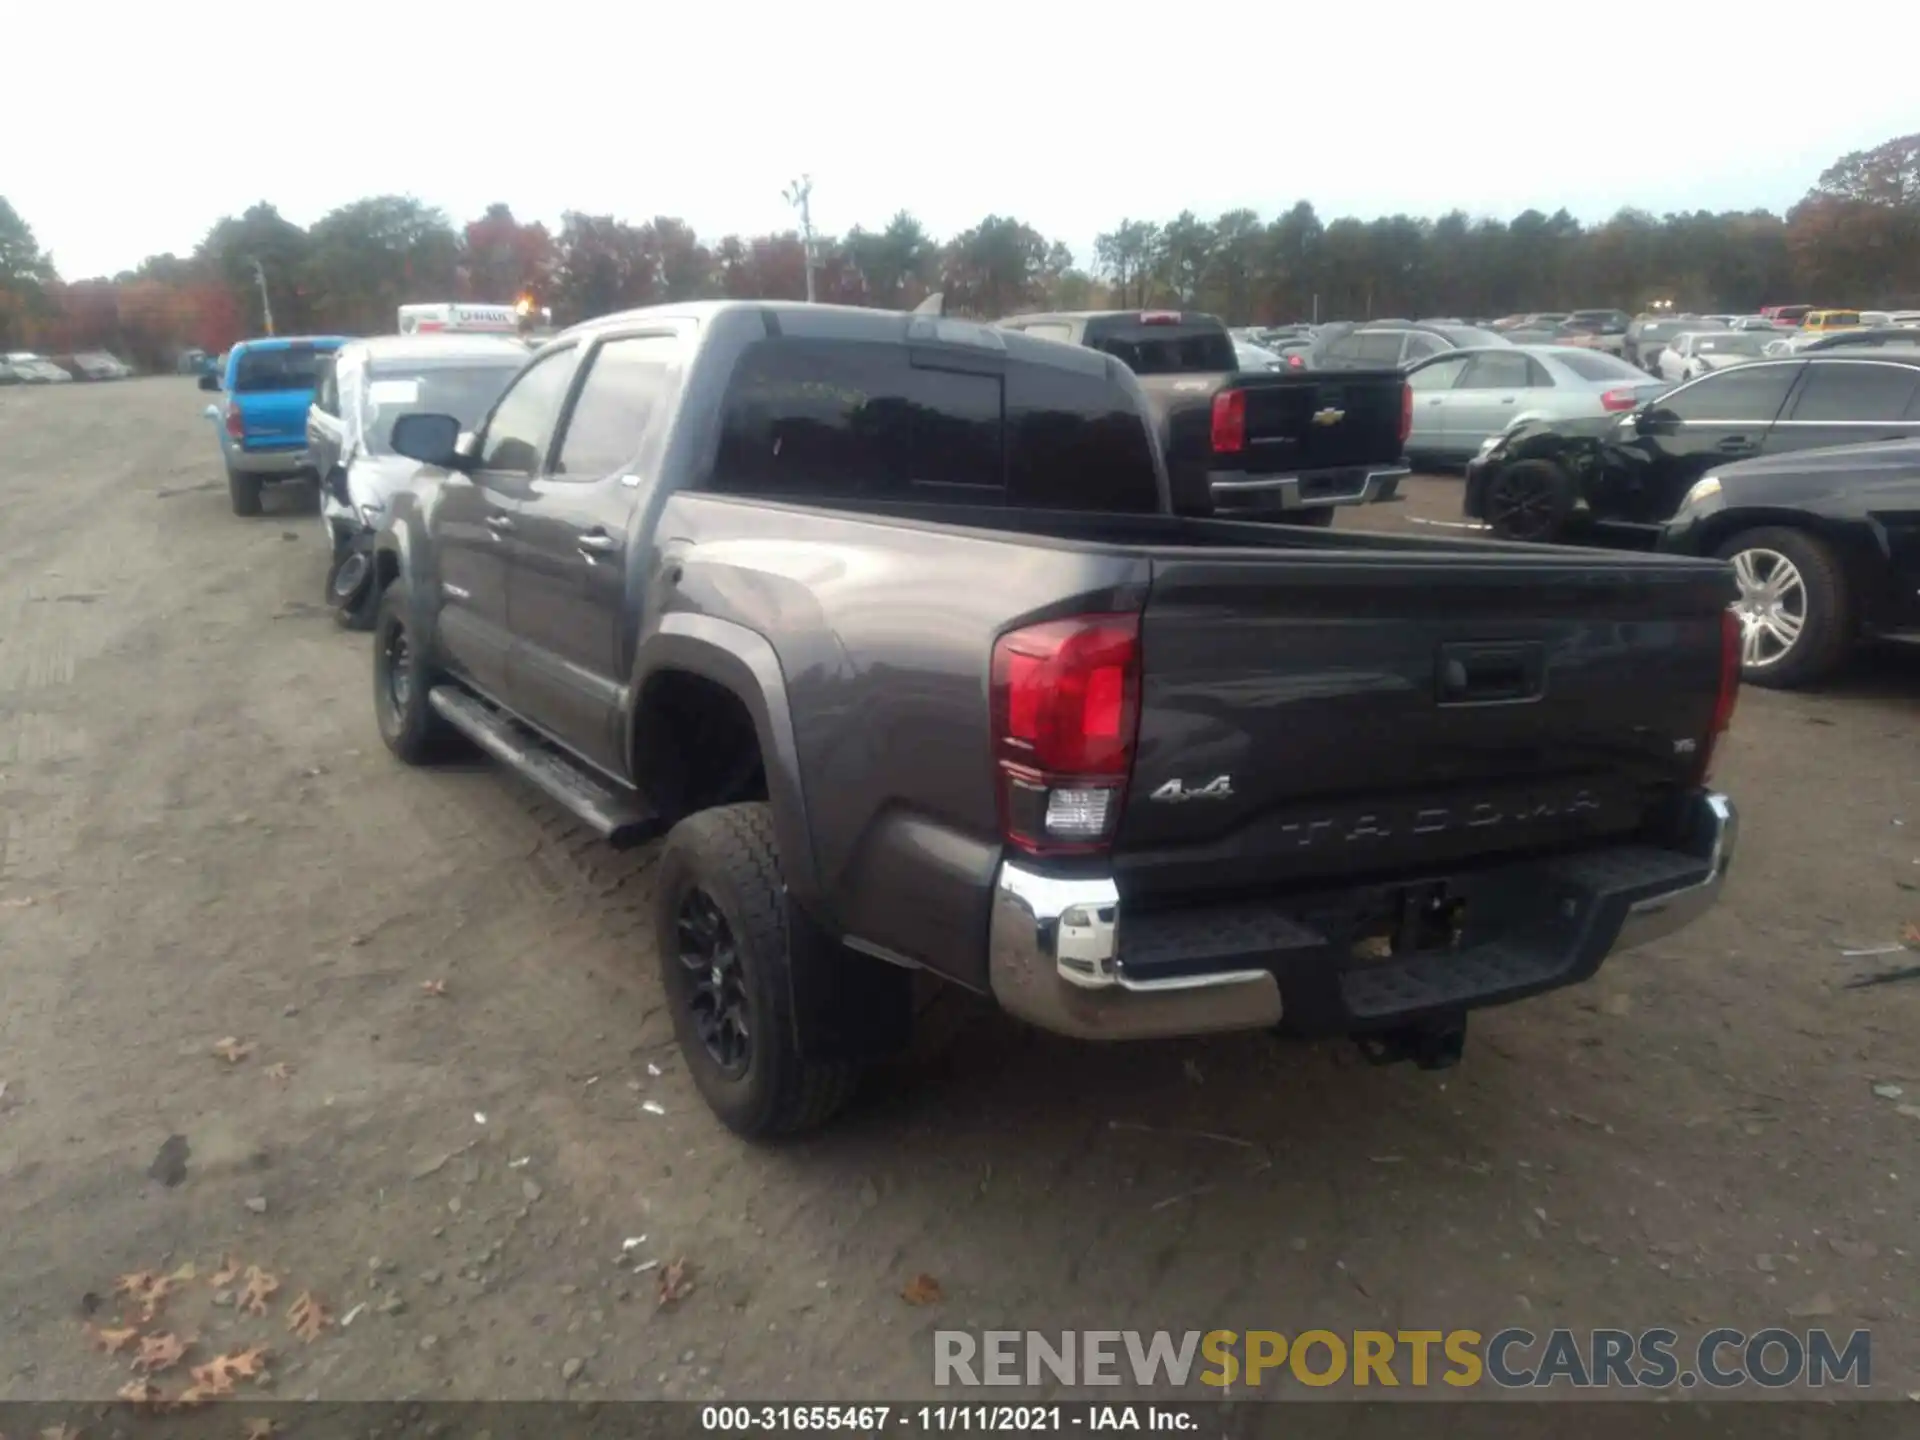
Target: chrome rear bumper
(1055, 955)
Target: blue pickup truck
(263, 425)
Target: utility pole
(266, 302)
(799, 195)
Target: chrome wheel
(1772, 606)
(716, 984)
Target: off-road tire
(1826, 638)
(412, 729)
(243, 490)
(1529, 500)
(730, 853)
(358, 616)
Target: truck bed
(1384, 706)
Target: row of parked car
(24, 367)
(1004, 655)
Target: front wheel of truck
(720, 931)
(402, 679)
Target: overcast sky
(153, 121)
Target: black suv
(1621, 477)
(1381, 344)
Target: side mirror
(209, 381)
(430, 439)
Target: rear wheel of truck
(1796, 613)
(721, 933)
(1530, 500)
(402, 679)
(244, 491)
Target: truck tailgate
(1378, 716)
(1315, 420)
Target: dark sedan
(1825, 545)
(1617, 480)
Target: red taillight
(1294, 362)
(1066, 705)
(1229, 422)
(1159, 317)
(1732, 636)
(1406, 413)
(236, 423)
(1616, 400)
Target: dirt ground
(203, 839)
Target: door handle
(1507, 399)
(598, 542)
(1735, 443)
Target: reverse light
(1614, 401)
(1066, 708)
(1229, 422)
(236, 423)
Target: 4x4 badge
(1176, 791)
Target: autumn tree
(503, 259)
(1125, 254)
(262, 236)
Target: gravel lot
(201, 837)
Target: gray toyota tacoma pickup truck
(886, 622)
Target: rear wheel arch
(701, 666)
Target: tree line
(1854, 239)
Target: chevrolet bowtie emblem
(1329, 416)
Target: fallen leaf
(111, 1342)
(307, 1317)
(226, 1274)
(143, 1393)
(185, 1273)
(433, 987)
(260, 1285)
(1819, 1305)
(147, 1288)
(196, 1395)
(923, 1290)
(279, 1070)
(261, 1428)
(675, 1282)
(232, 1050)
(159, 1353)
(218, 1375)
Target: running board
(619, 817)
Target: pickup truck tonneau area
(1269, 445)
(885, 621)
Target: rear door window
(1496, 372)
(1438, 376)
(1419, 346)
(1856, 392)
(284, 368)
(817, 419)
(1379, 347)
(833, 419)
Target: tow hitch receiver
(1434, 1044)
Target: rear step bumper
(1063, 958)
(1236, 492)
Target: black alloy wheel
(717, 999)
